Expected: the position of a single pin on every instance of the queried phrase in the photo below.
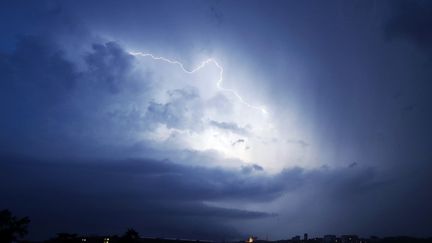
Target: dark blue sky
(95, 138)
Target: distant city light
(251, 239)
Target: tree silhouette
(11, 227)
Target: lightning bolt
(199, 67)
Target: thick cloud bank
(159, 197)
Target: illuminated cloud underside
(248, 136)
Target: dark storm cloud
(36, 72)
(411, 20)
(35, 79)
(159, 198)
(230, 126)
(247, 169)
(155, 180)
(45, 96)
(108, 63)
(238, 141)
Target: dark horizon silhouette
(13, 229)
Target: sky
(217, 119)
